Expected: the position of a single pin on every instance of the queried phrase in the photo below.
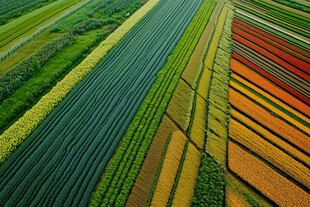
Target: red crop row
(302, 65)
(282, 44)
(271, 56)
(273, 40)
(271, 78)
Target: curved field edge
(124, 149)
(21, 129)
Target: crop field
(155, 103)
(269, 124)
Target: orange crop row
(275, 140)
(252, 141)
(270, 88)
(266, 119)
(270, 97)
(274, 40)
(278, 112)
(266, 180)
(300, 64)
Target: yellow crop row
(216, 111)
(169, 169)
(199, 123)
(270, 107)
(217, 127)
(266, 180)
(271, 137)
(22, 128)
(180, 105)
(269, 152)
(195, 64)
(216, 39)
(216, 146)
(186, 185)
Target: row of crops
(79, 137)
(269, 127)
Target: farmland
(154, 103)
(269, 97)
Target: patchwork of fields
(155, 103)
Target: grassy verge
(30, 93)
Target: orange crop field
(275, 140)
(266, 180)
(267, 86)
(265, 118)
(256, 144)
(271, 98)
(269, 107)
